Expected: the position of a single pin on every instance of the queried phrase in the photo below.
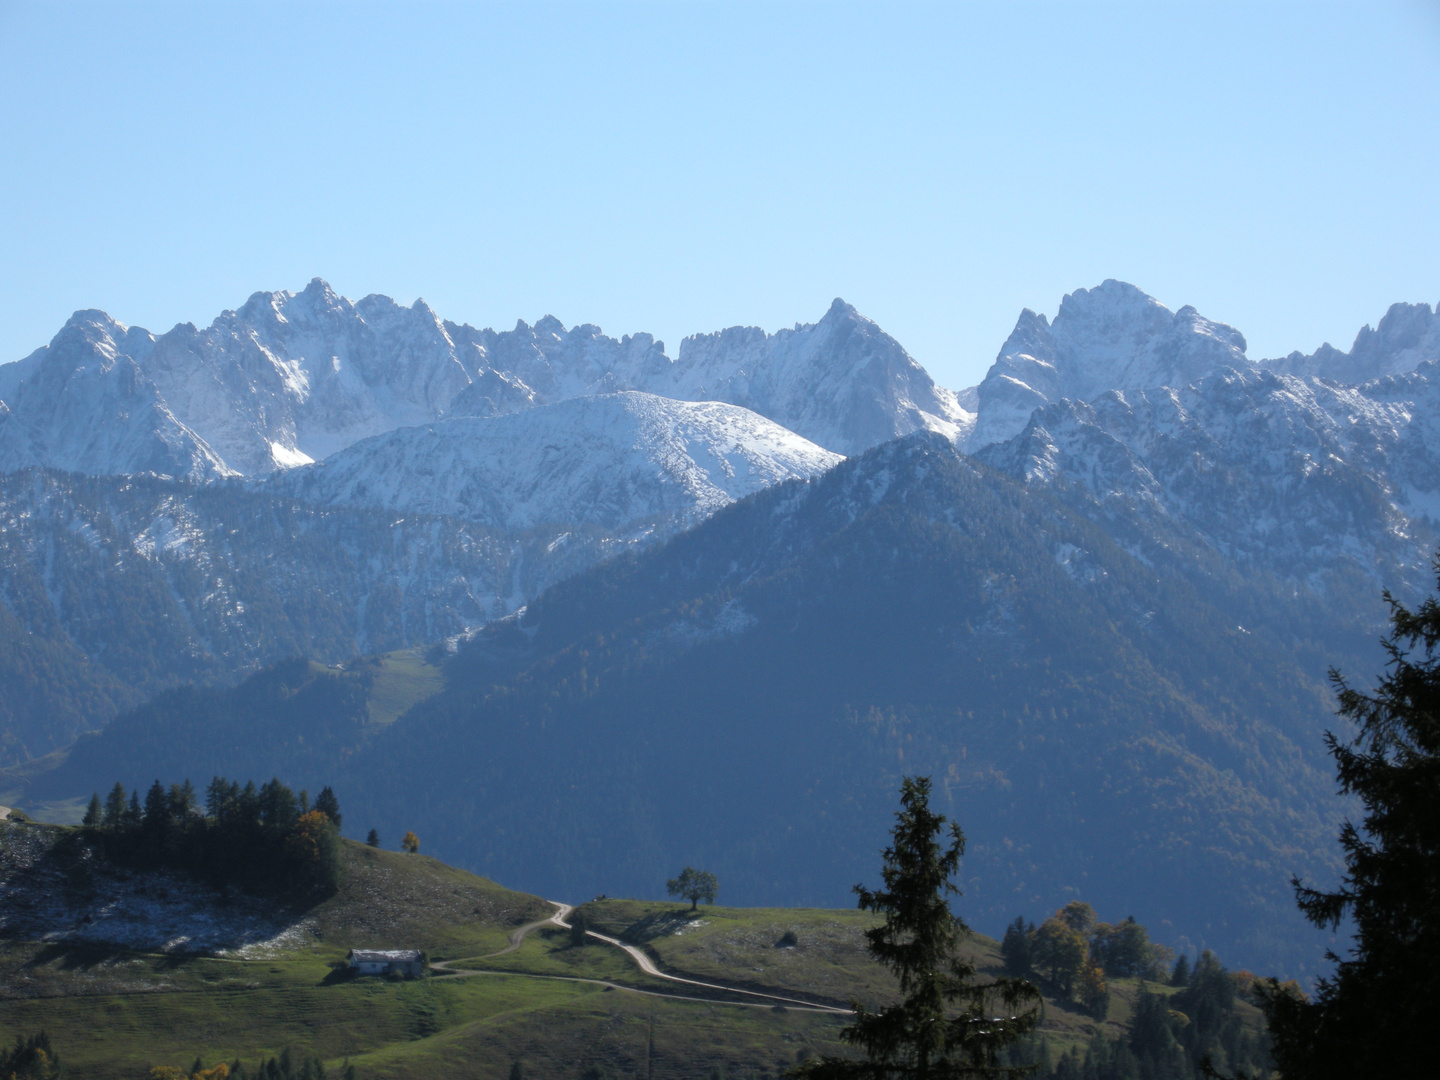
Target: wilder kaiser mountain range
(1097, 594)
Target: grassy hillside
(114, 1011)
(561, 1009)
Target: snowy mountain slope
(1299, 475)
(1113, 337)
(1407, 336)
(623, 462)
(85, 405)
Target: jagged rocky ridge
(291, 378)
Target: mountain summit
(1113, 337)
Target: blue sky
(682, 167)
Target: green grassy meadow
(401, 680)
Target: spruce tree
(94, 813)
(1180, 973)
(1015, 947)
(115, 806)
(949, 1024)
(1375, 1015)
(328, 804)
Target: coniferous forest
(265, 839)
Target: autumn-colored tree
(1123, 949)
(1059, 951)
(313, 848)
(1079, 916)
(1090, 990)
(410, 842)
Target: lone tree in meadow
(373, 839)
(694, 885)
(410, 842)
(949, 1024)
(1375, 1015)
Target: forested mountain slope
(115, 588)
(746, 697)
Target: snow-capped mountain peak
(83, 403)
(1112, 337)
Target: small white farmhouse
(384, 961)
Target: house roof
(384, 956)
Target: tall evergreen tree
(947, 1025)
(1015, 947)
(328, 804)
(1374, 1016)
(115, 806)
(94, 813)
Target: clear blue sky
(682, 167)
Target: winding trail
(642, 961)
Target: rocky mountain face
(112, 589)
(842, 383)
(1303, 477)
(1406, 337)
(84, 404)
(1309, 466)
(1107, 628)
